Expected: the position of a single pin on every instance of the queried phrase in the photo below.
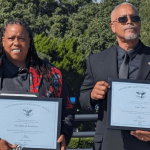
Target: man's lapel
(145, 64)
(111, 62)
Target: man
(125, 23)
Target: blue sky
(98, 1)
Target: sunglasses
(124, 19)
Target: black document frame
(59, 100)
(109, 104)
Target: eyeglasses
(124, 19)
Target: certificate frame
(111, 100)
(17, 93)
(38, 99)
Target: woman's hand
(62, 140)
(4, 145)
(141, 135)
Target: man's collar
(132, 53)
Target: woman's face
(16, 43)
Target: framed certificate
(128, 104)
(32, 122)
(16, 93)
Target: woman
(22, 70)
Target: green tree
(64, 55)
(35, 12)
(143, 7)
(91, 26)
(145, 18)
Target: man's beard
(131, 36)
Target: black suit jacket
(100, 66)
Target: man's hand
(4, 145)
(141, 135)
(62, 140)
(99, 91)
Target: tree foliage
(66, 32)
(64, 55)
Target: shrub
(80, 143)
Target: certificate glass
(22, 94)
(34, 123)
(128, 104)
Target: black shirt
(14, 78)
(134, 59)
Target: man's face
(129, 30)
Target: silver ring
(18, 147)
(142, 139)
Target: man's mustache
(129, 27)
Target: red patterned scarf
(35, 79)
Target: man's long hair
(38, 64)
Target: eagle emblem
(27, 112)
(141, 94)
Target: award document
(34, 123)
(129, 104)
